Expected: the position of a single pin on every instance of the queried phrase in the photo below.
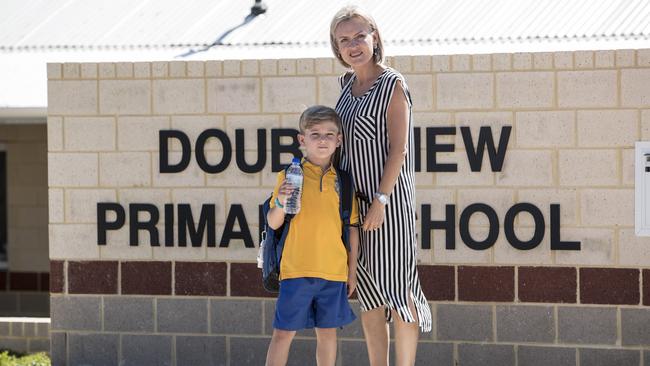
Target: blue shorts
(312, 302)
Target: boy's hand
(284, 191)
(352, 283)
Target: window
(3, 207)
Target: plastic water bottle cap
(295, 161)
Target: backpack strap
(345, 204)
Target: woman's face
(355, 41)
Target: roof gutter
(30, 115)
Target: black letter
(136, 224)
(200, 152)
(509, 226)
(556, 243)
(417, 144)
(186, 220)
(448, 225)
(464, 226)
(433, 148)
(236, 213)
(103, 225)
(163, 144)
(241, 151)
(278, 149)
(169, 225)
(475, 157)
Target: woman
(375, 109)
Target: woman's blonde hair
(346, 13)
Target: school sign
(205, 227)
(525, 197)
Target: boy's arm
(352, 259)
(275, 216)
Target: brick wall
(24, 293)
(26, 335)
(27, 217)
(574, 115)
(24, 285)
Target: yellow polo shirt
(313, 247)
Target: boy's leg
(331, 310)
(376, 332)
(278, 352)
(325, 346)
(292, 311)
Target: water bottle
(294, 177)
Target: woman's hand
(375, 216)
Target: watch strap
(382, 197)
(278, 204)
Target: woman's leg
(375, 330)
(325, 346)
(278, 352)
(406, 338)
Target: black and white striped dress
(387, 273)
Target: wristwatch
(382, 198)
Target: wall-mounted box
(642, 188)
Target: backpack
(272, 243)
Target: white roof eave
(24, 74)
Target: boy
(317, 273)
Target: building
(565, 82)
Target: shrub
(13, 359)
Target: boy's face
(320, 141)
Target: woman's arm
(397, 116)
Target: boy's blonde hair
(347, 13)
(319, 114)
